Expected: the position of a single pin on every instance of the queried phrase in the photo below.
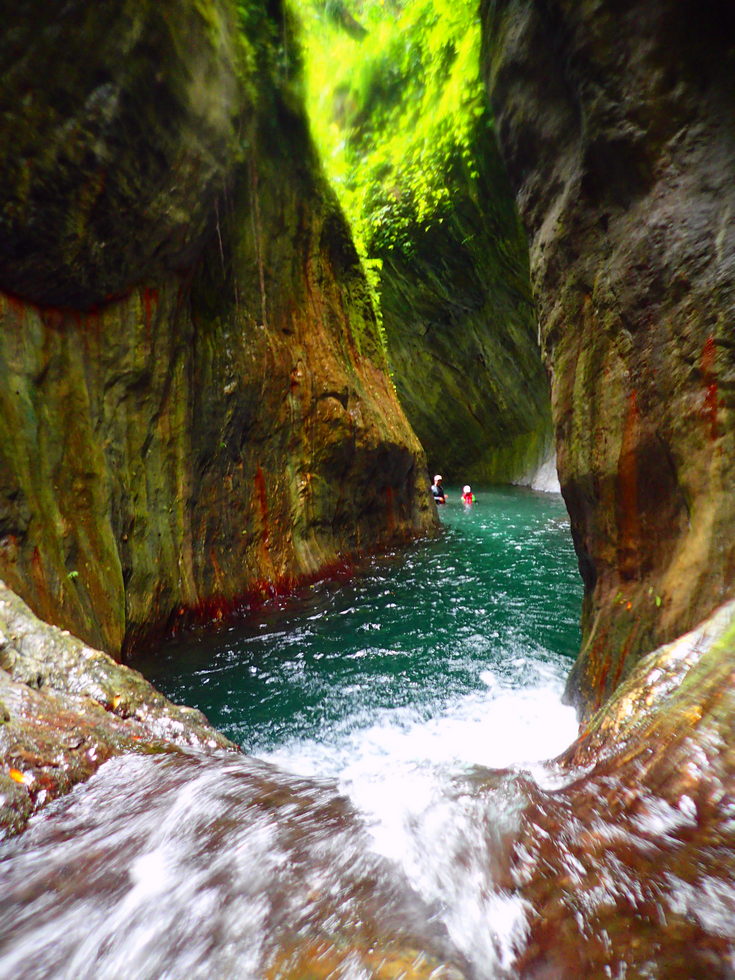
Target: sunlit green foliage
(394, 92)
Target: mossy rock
(119, 124)
(461, 329)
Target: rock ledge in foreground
(66, 708)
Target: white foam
(401, 772)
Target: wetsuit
(438, 492)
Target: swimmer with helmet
(437, 490)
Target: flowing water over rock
(370, 837)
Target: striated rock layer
(461, 331)
(615, 121)
(193, 397)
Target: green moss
(393, 110)
(100, 183)
(402, 123)
(461, 330)
(270, 49)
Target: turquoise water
(401, 722)
(493, 603)
(376, 708)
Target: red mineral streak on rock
(711, 399)
(150, 302)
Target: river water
(356, 844)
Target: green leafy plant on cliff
(394, 92)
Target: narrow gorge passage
(366, 822)
(423, 637)
(263, 268)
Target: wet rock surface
(115, 147)
(627, 866)
(224, 425)
(265, 875)
(614, 121)
(66, 708)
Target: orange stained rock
(263, 503)
(320, 961)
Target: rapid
(392, 724)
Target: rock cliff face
(461, 331)
(615, 123)
(193, 398)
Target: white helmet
(467, 489)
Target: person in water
(468, 496)
(437, 490)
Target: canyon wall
(461, 330)
(194, 403)
(615, 121)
